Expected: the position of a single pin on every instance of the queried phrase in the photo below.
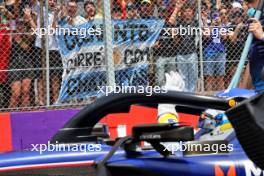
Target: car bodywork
(95, 152)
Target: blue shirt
(215, 46)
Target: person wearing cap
(236, 4)
(132, 12)
(146, 9)
(256, 54)
(90, 10)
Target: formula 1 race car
(158, 149)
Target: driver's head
(210, 119)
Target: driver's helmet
(210, 119)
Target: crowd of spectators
(221, 53)
(218, 50)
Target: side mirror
(157, 133)
(162, 133)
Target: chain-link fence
(67, 53)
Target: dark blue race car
(81, 147)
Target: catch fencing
(70, 54)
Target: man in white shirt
(70, 14)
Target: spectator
(171, 6)
(218, 4)
(7, 9)
(245, 7)
(34, 6)
(163, 13)
(8, 13)
(131, 11)
(90, 10)
(236, 42)
(70, 15)
(208, 4)
(116, 12)
(99, 9)
(5, 48)
(146, 9)
(236, 5)
(224, 16)
(215, 56)
(20, 59)
(165, 50)
(54, 55)
(187, 59)
(205, 16)
(122, 4)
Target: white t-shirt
(79, 20)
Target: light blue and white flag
(84, 60)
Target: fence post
(201, 44)
(47, 55)
(108, 44)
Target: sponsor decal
(252, 170)
(225, 170)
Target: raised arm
(234, 35)
(178, 6)
(29, 17)
(7, 13)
